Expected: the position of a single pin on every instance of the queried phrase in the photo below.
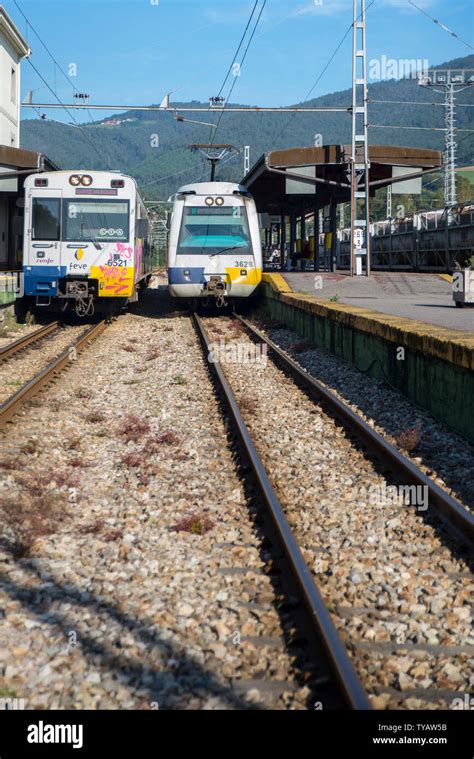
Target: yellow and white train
(86, 241)
(214, 249)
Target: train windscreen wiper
(233, 247)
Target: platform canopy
(16, 164)
(298, 178)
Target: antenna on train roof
(214, 154)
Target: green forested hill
(160, 170)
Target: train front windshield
(212, 230)
(97, 219)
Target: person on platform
(306, 254)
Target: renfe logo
(42, 733)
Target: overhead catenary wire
(189, 169)
(235, 56)
(423, 102)
(45, 47)
(66, 77)
(241, 64)
(200, 72)
(328, 63)
(428, 129)
(86, 136)
(443, 26)
(239, 47)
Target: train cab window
(102, 220)
(46, 219)
(211, 230)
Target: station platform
(424, 297)
(402, 329)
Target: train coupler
(216, 287)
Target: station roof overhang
(325, 174)
(16, 164)
(13, 35)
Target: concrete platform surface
(424, 297)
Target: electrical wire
(45, 47)
(67, 110)
(200, 72)
(310, 92)
(212, 131)
(425, 102)
(241, 64)
(429, 129)
(443, 26)
(66, 77)
(239, 47)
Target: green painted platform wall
(443, 388)
(6, 299)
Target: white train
(86, 241)
(214, 249)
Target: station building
(15, 163)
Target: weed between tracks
(95, 417)
(196, 524)
(248, 404)
(30, 447)
(179, 379)
(74, 444)
(409, 439)
(99, 528)
(9, 326)
(38, 510)
(151, 354)
(134, 429)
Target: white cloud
(324, 8)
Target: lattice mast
(360, 165)
(450, 194)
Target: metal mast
(360, 165)
(450, 195)
(246, 160)
(448, 82)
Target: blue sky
(134, 51)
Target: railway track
(377, 631)
(451, 511)
(23, 342)
(12, 405)
(351, 690)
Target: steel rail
(341, 665)
(23, 342)
(10, 407)
(449, 509)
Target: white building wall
(9, 94)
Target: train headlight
(243, 272)
(86, 180)
(209, 201)
(219, 201)
(75, 180)
(187, 273)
